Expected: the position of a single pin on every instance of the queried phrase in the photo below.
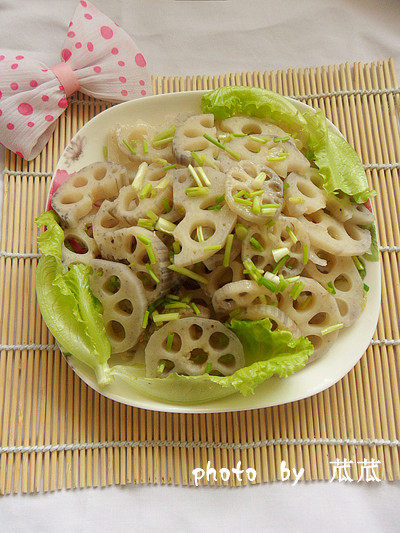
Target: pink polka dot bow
(98, 58)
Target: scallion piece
(270, 223)
(195, 176)
(296, 290)
(216, 207)
(160, 161)
(240, 194)
(195, 308)
(280, 264)
(204, 177)
(176, 247)
(145, 191)
(296, 200)
(242, 201)
(165, 226)
(197, 191)
(331, 288)
(272, 277)
(212, 248)
(129, 146)
(170, 340)
(168, 167)
(162, 142)
(145, 223)
(168, 132)
(239, 134)
(241, 232)
(165, 317)
(152, 216)
(188, 273)
(256, 206)
(330, 329)
(176, 305)
(258, 192)
(261, 140)
(281, 139)
(161, 367)
(150, 253)
(260, 178)
(278, 157)
(166, 205)
(366, 287)
(291, 234)
(200, 236)
(145, 319)
(222, 146)
(145, 146)
(220, 199)
(105, 152)
(278, 253)
(197, 158)
(305, 254)
(286, 186)
(251, 269)
(144, 239)
(256, 244)
(140, 174)
(163, 184)
(151, 273)
(227, 252)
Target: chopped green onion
(261, 140)
(170, 340)
(296, 200)
(256, 244)
(258, 192)
(279, 157)
(162, 142)
(305, 254)
(227, 252)
(176, 305)
(330, 329)
(144, 239)
(241, 232)
(208, 368)
(280, 264)
(210, 163)
(168, 132)
(195, 176)
(212, 248)
(366, 287)
(200, 236)
(217, 207)
(197, 191)
(166, 205)
(243, 202)
(239, 134)
(360, 266)
(291, 234)
(260, 178)
(278, 253)
(129, 146)
(105, 152)
(305, 302)
(172, 297)
(270, 223)
(282, 139)
(272, 277)
(145, 223)
(195, 308)
(138, 180)
(197, 158)
(153, 193)
(268, 211)
(161, 367)
(331, 288)
(160, 161)
(165, 226)
(176, 247)
(267, 283)
(168, 167)
(251, 269)
(222, 146)
(163, 184)
(296, 290)
(145, 319)
(220, 199)
(152, 275)
(225, 137)
(189, 273)
(145, 146)
(145, 191)
(150, 253)
(241, 193)
(152, 216)
(256, 207)
(204, 177)
(286, 186)
(165, 317)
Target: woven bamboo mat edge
(50, 444)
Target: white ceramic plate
(87, 147)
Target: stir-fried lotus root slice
(343, 274)
(303, 195)
(266, 150)
(125, 245)
(79, 245)
(242, 178)
(221, 275)
(80, 195)
(215, 225)
(189, 138)
(312, 311)
(287, 233)
(123, 300)
(241, 294)
(343, 210)
(128, 207)
(125, 144)
(330, 235)
(278, 318)
(198, 344)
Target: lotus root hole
(342, 283)
(130, 244)
(274, 324)
(227, 360)
(343, 307)
(148, 282)
(192, 132)
(125, 306)
(303, 302)
(80, 181)
(75, 244)
(108, 222)
(333, 232)
(112, 285)
(99, 173)
(89, 230)
(206, 122)
(176, 343)
(306, 189)
(198, 356)
(315, 341)
(252, 146)
(195, 332)
(168, 366)
(196, 145)
(71, 198)
(208, 232)
(115, 330)
(218, 340)
(319, 318)
(252, 128)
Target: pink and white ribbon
(98, 58)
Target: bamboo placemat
(56, 432)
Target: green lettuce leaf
(71, 312)
(373, 254)
(267, 353)
(336, 160)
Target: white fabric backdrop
(195, 37)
